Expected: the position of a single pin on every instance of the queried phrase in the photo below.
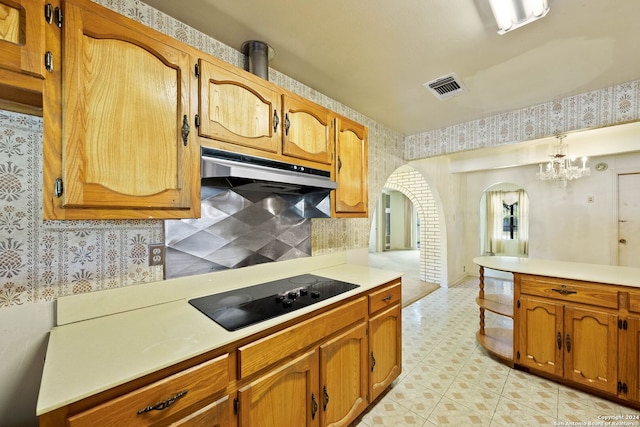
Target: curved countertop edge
(598, 273)
(90, 356)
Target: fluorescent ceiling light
(512, 14)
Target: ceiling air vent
(445, 87)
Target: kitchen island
(576, 323)
(144, 355)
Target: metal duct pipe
(259, 54)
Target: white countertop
(94, 348)
(598, 273)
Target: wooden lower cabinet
(574, 343)
(540, 336)
(384, 350)
(287, 395)
(326, 386)
(343, 377)
(629, 384)
(320, 371)
(591, 348)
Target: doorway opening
(408, 198)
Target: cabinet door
(629, 359)
(238, 109)
(124, 110)
(541, 338)
(287, 396)
(307, 130)
(591, 348)
(385, 350)
(216, 414)
(22, 35)
(343, 377)
(351, 196)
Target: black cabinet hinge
(236, 406)
(196, 69)
(58, 16)
(197, 121)
(622, 387)
(58, 188)
(48, 13)
(48, 61)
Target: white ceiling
(375, 55)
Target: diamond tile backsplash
(241, 228)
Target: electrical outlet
(156, 254)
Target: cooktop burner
(237, 309)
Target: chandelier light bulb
(560, 168)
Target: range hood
(236, 171)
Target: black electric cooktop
(239, 308)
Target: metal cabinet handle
(559, 339)
(276, 121)
(326, 398)
(564, 291)
(164, 404)
(287, 124)
(314, 406)
(387, 298)
(185, 130)
(373, 362)
(568, 343)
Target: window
(510, 221)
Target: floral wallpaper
(43, 260)
(612, 105)
(40, 261)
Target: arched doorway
(412, 184)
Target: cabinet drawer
(570, 290)
(385, 297)
(175, 393)
(634, 302)
(273, 348)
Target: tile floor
(407, 261)
(448, 380)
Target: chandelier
(560, 167)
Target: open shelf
(496, 299)
(497, 303)
(499, 342)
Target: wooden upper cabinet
(351, 169)
(125, 120)
(237, 108)
(22, 36)
(307, 130)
